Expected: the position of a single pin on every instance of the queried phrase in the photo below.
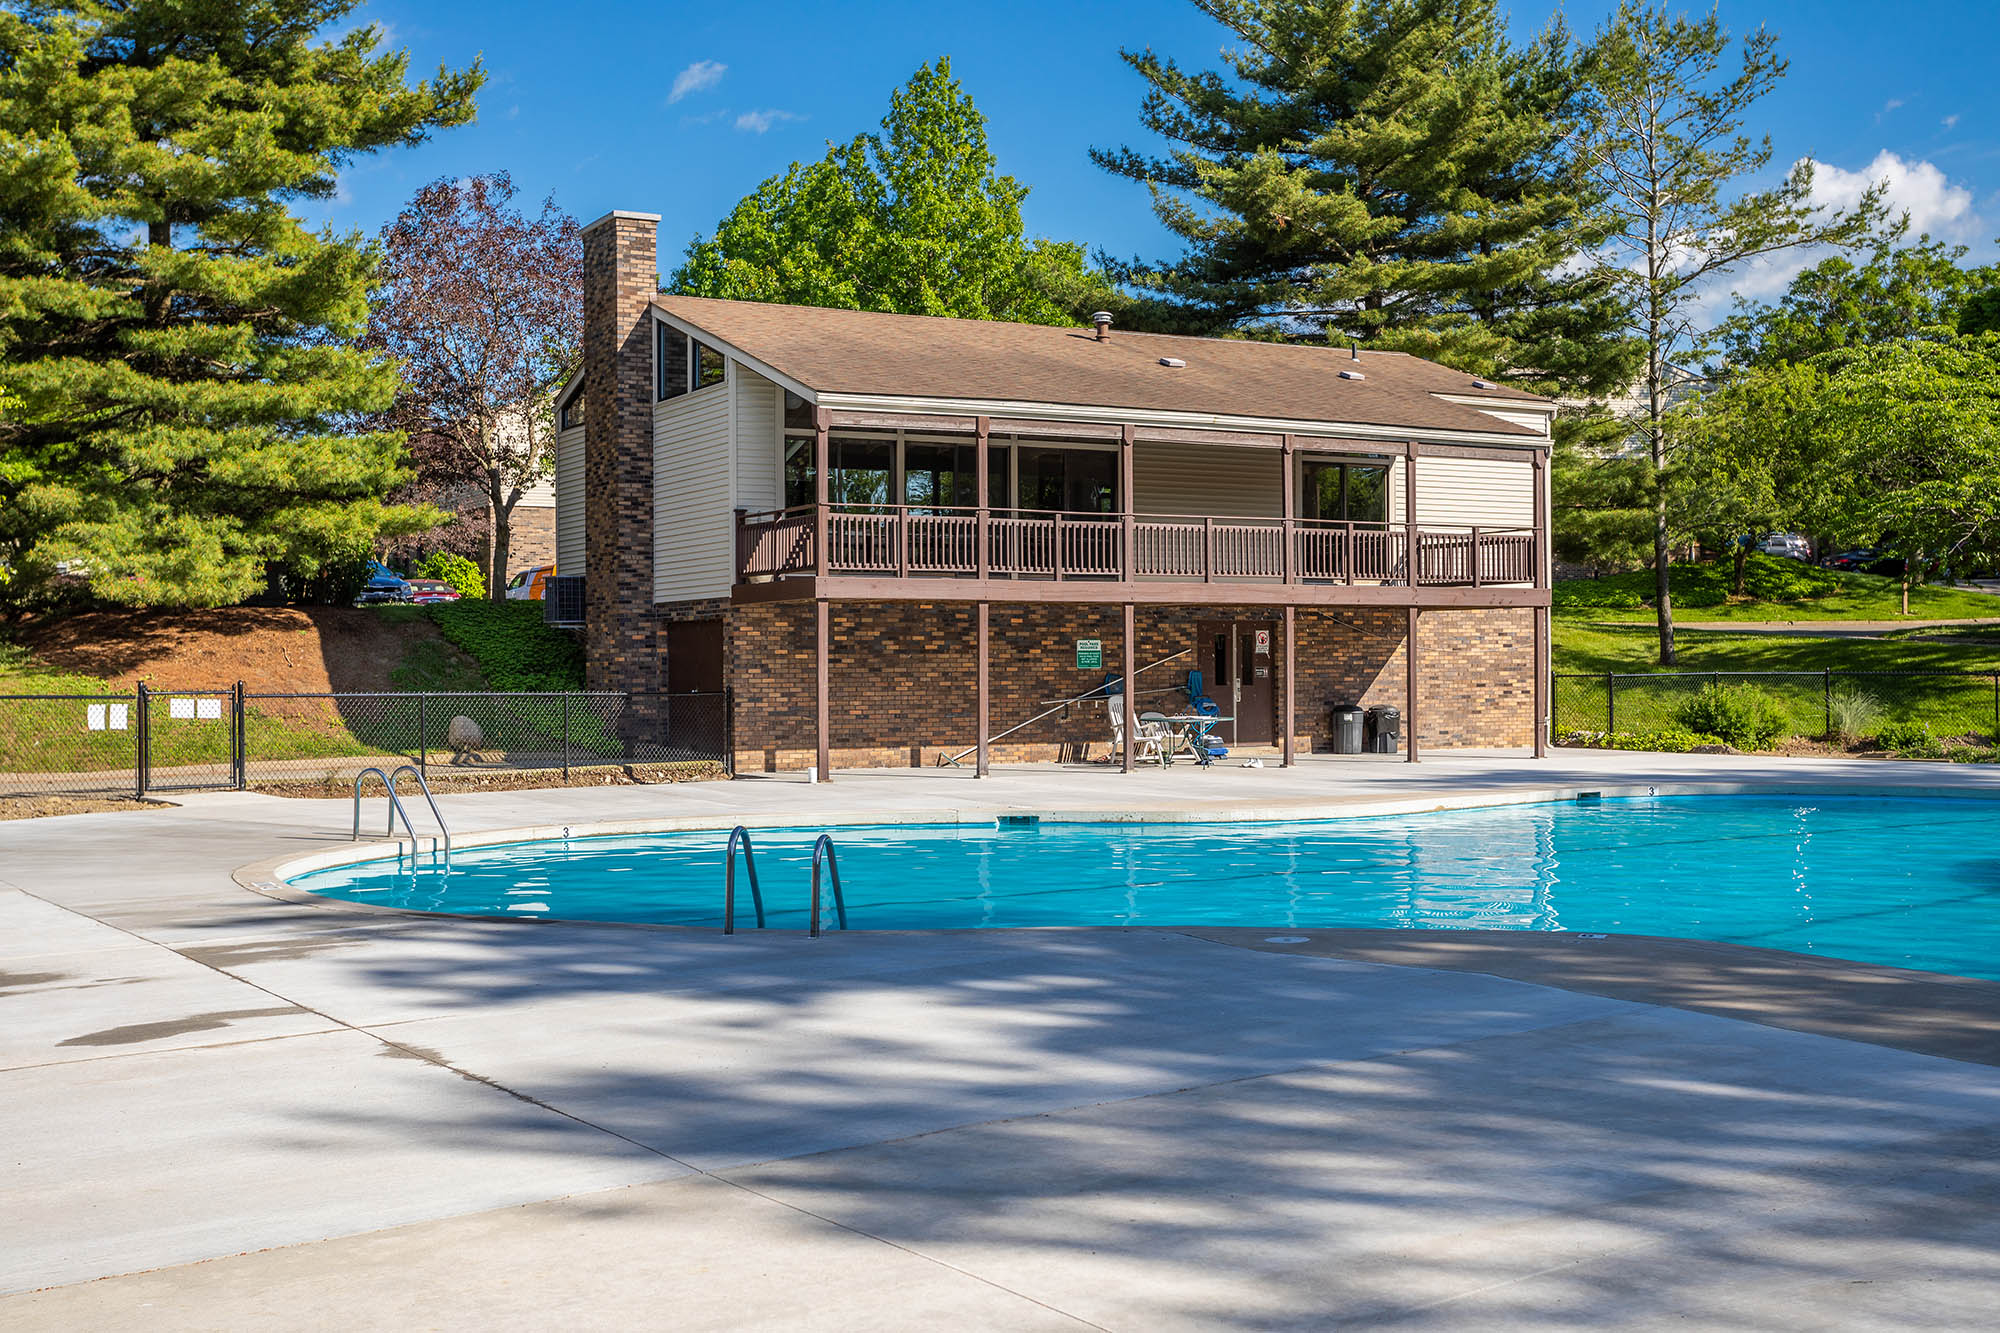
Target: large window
(682, 364)
(1075, 481)
(573, 410)
(1347, 492)
(929, 475)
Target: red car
(432, 590)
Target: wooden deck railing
(904, 540)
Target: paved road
(243, 1113)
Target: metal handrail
(431, 800)
(825, 846)
(729, 881)
(395, 808)
(955, 760)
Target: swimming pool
(1907, 881)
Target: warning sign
(1264, 641)
(1090, 654)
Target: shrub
(1669, 740)
(1853, 714)
(1742, 715)
(1904, 736)
(460, 573)
(515, 648)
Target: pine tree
(913, 220)
(1388, 171)
(176, 343)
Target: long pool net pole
(1100, 692)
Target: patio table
(1194, 728)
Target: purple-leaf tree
(482, 307)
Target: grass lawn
(1950, 706)
(1777, 589)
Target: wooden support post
(1543, 683)
(1291, 515)
(821, 683)
(822, 419)
(1410, 690)
(1541, 695)
(1129, 566)
(982, 430)
(1410, 513)
(1129, 699)
(1291, 694)
(979, 768)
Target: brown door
(1237, 659)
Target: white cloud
(1950, 122)
(1887, 107)
(756, 122)
(1919, 189)
(697, 78)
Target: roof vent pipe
(1102, 319)
(1354, 351)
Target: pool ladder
(443, 839)
(822, 854)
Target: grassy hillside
(1775, 588)
(466, 647)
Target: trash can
(1385, 730)
(1348, 721)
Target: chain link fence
(1954, 705)
(191, 740)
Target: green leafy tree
(1912, 432)
(1898, 292)
(1663, 145)
(914, 220)
(178, 344)
(1390, 171)
(1738, 469)
(1981, 311)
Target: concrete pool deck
(219, 1110)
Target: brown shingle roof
(862, 352)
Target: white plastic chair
(1152, 737)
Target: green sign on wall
(1090, 654)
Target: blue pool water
(1908, 881)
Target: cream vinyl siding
(1537, 422)
(541, 495)
(1201, 480)
(694, 526)
(568, 499)
(757, 460)
(1475, 492)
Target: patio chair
(1151, 738)
(1197, 696)
(1168, 740)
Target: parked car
(1791, 545)
(529, 584)
(383, 585)
(1865, 560)
(432, 590)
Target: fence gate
(190, 740)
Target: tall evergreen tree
(1390, 171)
(913, 220)
(177, 343)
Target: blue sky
(581, 101)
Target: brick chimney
(621, 262)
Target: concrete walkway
(222, 1111)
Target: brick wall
(620, 279)
(903, 675)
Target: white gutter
(973, 407)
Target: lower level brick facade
(903, 676)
